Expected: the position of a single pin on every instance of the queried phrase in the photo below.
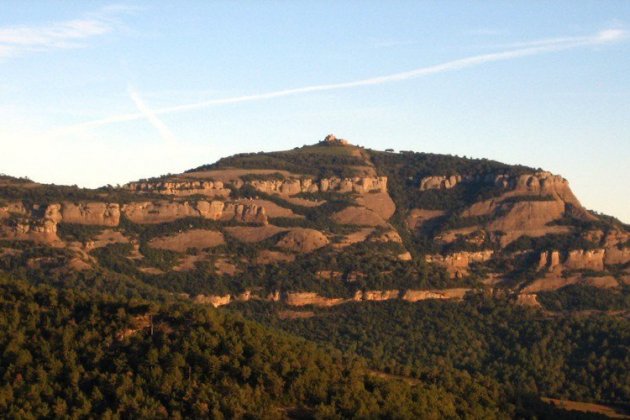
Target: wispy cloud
(164, 131)
(529, 49)
(602, 37)
(15, 40)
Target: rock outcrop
(439, 182)
(303, 240)
(544, 184)
(377, 295)
(214, 300)
(332, 140)
(15, 208)
(309, 298)
(557, 272)
(37, 224)
(181, 188)
(579, 259)
(457, 264)
(294, 186)
(539, 185)
(165, 211)
(549, 260)
(101, 214)
(617, 245)
(418, 295)
(528, 299)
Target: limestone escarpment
(458, 263)
(35, 223)
(583, 259)
(180, 188)
(418, 295)
(580, 259)
(439, 182)
(528, 299)
(165, 211)
(537, 185)
(89, 213)
(524, 205)
(359, 185)
(102, 214)
(578, 266)
(540, 183)
(214, 300)
(315, 299)
(310, 298)
(617, 245)
(13, 208)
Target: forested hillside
(70, 354)
(581, 358)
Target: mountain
(462, 287)
(324, 224)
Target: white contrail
(164, 131)
(533, 48)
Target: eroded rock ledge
(182, 188)
(314, 299)
(540, 183)
(359, 185)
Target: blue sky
(98, 92)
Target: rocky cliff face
(458, 263)
(102, 214)
(165, 211)
(314, 299)
(439, 182)
(359, 185)
(528, 206)
(181, 189)
(581, 259)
